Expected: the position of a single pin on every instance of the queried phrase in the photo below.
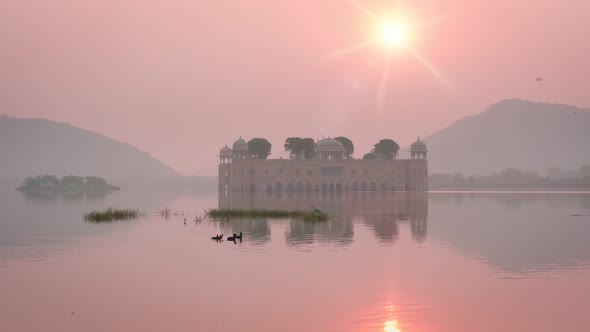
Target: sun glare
(394, 33)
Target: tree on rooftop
(348, 145)
(259, 148)
(386, 149)
(297, 145)
(308, 148)
(369, 156)
(294, 145)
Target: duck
(232, 238)
(238, 237)
(217, 237)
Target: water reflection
(515, 232)
(392, 262)
(71, 196)
(381, 212)
(39, 225)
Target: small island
(71, 184)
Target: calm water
(385, 262)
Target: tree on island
(41, 181)
(94, 181)
(369, 156)
(348, 145)
(70, 183)
(386, 149)
(297, 145)
(259, 148)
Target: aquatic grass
(110, 215)
(224, 214)
(165, 213)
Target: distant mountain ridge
(36, 146)
(513, 133)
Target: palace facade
(327, 171)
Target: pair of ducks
(231, 238)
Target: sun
(393, 33)
(396, 33)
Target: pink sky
(179, 79)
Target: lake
(416, 262)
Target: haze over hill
(35, 146)
(513, 133)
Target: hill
(34, 146)
(513, 133)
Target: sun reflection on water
(391, 326)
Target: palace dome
(329, 145)
(240, 145)
(225, 151)
(418, 146)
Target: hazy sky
(179, 79)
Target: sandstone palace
(327, 168)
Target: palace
(327, 171)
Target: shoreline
(510, 189)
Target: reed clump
(224, 214)
(110, 215)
